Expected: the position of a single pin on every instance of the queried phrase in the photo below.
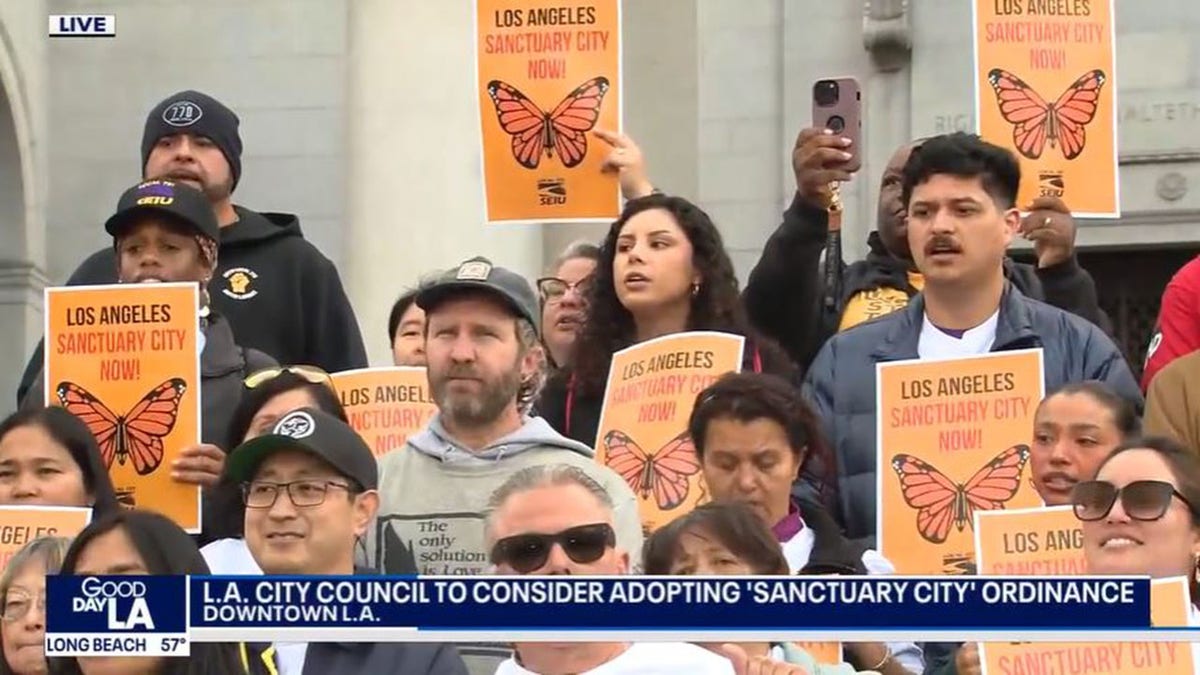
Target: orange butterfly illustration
(942, 503)
(136, 435)
(1036, 122)
(561, 132)
(663, 474)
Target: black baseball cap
(180, 203)
(312, 431)
(479, 274)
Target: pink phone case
(843, 115)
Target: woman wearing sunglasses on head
(165, 231)
(23, 592)
(1141, 514)
(140, 543)
(268, 395)
(563, 295)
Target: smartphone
(837, 106)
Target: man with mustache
(279, 293)
(485, 363)
(960, 195)
(789, 298)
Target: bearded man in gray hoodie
(484, 365)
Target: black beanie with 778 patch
(191, 112)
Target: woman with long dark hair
(49, 457)
(663, 269)
(139, 543)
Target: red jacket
(1177, 332)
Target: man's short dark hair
(402, 304)
(966, 156)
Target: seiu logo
(108, 597)
(552, 191)
(83, 25)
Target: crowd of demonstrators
(504, 476)
(278, 292)
(663, 270)
(563, 295)
(960, 194)
(791, 298)
(174, 239)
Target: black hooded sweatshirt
(278, 292)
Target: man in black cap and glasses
(311, 490)
(279, 293)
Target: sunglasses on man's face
(527, 552)
(1145, 500)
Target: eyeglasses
(310, 374)
(1144, 500)
(17, 605)
(553, 288)
(303, 493)
(527, 552)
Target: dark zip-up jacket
(786, 294)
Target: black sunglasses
(1144, 500)
(527, 552)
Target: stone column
(414, 200)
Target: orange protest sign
(1029, 542)
(1169, 603)
(385, 405)
(20, 525)
(125, 359)
(945, 427)
(651, 389)
(547, 75)
(1045, 88)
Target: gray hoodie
(433, 493)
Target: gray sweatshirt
(433, 493)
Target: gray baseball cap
(479, 274)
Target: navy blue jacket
(841, 385)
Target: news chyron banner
(1170, 603)
(547, 76)
(386, 405)
(953, 438)
(643, 434)
(128, 615)
(125, 359)
(1045, 87)
(20, 525)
